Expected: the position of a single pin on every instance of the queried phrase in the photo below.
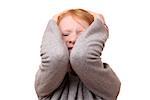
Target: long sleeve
(54, 61)
(85, 60)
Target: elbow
(38, 91)
(112, 93)
(114, 90)
(117, 90)
(40, 87)
(118, 86)
(41, 92)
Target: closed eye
(65, 34)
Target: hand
(55, 17)
(101, 17)
(96, 15)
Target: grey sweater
(89, 79)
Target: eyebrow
(66, 30)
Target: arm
(54, 61)
(86, 62)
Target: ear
(55, 17)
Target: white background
(22, 23)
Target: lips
(69, 49)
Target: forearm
(54, 61)
(86, 62)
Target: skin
(71, 29)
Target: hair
(77, 13)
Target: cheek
(79, 34)
(65, 39)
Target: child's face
(71, 29)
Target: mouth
(69, 49)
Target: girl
(71, 67)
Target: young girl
(71, 67)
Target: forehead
(69, 23)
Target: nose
(72, 40)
